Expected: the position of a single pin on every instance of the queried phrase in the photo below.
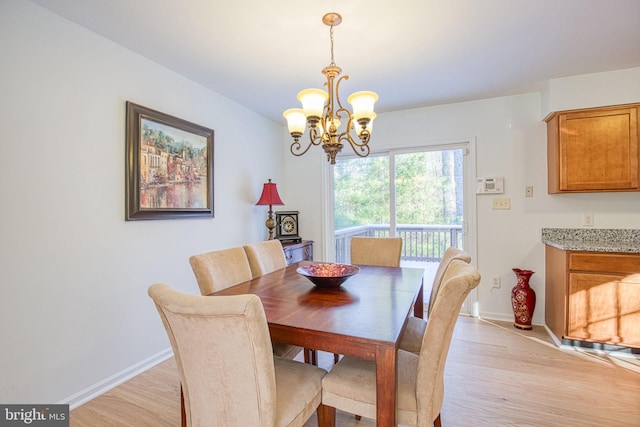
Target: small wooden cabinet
(296, 252)
(593, 296)
(593, 149)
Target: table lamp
(270, 197)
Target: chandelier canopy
(322, 112)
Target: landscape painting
(170, 166)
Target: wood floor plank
(495, 375)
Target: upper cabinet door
(593, 150)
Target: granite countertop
(592, 240)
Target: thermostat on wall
(490, 185)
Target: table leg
(311, 356)
(418, 307)
(386, 386)
(183, 413)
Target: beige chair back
(223, 352)
(459, 279)
(383, 251)
(265, 257)
(218, 270)
(449, 255)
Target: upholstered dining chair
(265, 257)
(227, 370)
(412, 336)
(217, 270)
(383, 251)
(351, 384)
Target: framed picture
(169, 171)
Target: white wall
(510, 142)
(74, 309)
(592, 90)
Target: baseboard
(508, 318)
(95, 390)
(553, 337)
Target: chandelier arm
(314, 137)
(314, 140)
(325, 124)
(362, 149)
(340, 107)
(347, 113)
(363, 134)
(296, 148)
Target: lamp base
(271, 224)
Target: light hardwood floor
(495, 375)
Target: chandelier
(322, 112)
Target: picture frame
(169, 166)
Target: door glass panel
(361, 201)
(429, 204)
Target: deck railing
(425, 243)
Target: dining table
(364, 318)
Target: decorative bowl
(328, 275)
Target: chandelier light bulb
(313, 101)
(296, 121)
(362, 103)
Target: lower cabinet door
(594, 307)
(629, 327)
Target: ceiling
(412, 52)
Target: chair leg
(326, 416)
(336, 357)
(437, 422)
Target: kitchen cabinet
(593, 149)
(593, 296)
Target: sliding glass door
(417, 194)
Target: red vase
(523, 299)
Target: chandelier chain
(331, 37)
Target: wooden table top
(370, 306)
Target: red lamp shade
(270, 195)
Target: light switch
(501, 203)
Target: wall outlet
(587, 220)
(501, 203)
(496, 282)
(528, 191)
